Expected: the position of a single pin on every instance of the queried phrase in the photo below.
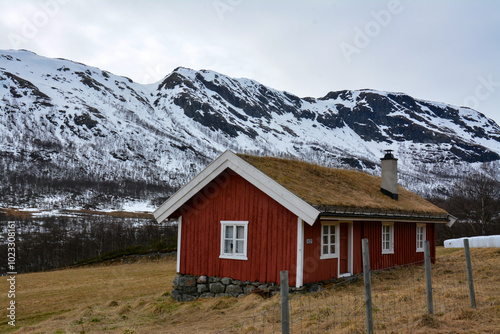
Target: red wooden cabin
(248, 218)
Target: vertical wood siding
(357, 259)
(272, 232)
(404, 244)
(315, 269)
(405, 251)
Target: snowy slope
(65, 120)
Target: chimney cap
(388, 155)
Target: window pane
(325, 229)
(325, 239)
(229, 232)
(239, 247)
(332, 249)
(332, 238)
(228, 246)
(325, 250)
(240, 232)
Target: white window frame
(420, 243)
(330, 255)
(233, 256)
(389, 250)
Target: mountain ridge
(63, 120)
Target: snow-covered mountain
(65, 121)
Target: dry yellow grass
(324, 186)
(14, 214)
(130, 298)
(117, 214)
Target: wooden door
(344, 249)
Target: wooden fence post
(368, 286)
(472, 294)
(285, 314)
(428, 276)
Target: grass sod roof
(337, 190)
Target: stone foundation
(190, 287)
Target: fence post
(368, 286)
(285, 315)
(472, 294)
(428, 276)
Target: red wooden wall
(272, 232)
(316, 270)
(404, 244)
(357, 262)
(404, 249)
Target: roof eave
(357, 214)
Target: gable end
(260, 180)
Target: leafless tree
(476, 201)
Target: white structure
(478, 242)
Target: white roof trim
(263, 182)
(451, 220)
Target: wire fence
(398, 298)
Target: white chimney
(389, 175)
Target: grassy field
(134, 298)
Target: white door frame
(349, 250)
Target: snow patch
(476, 242)
(139, 206)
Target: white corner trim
(299, 274)
(263, 182)
(179, 235)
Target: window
(234, 235)
(387, 238)
(420, 237)
(329, 241)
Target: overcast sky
(445, 51)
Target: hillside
(134, 298)
(79, 136)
